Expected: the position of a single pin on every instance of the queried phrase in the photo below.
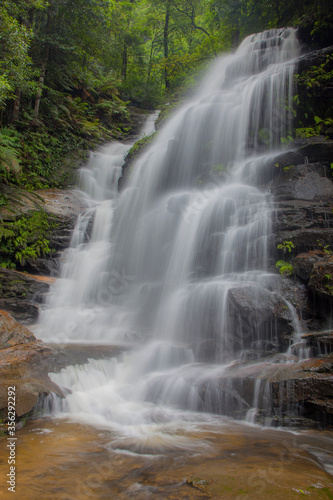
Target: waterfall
(163, 267)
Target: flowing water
(154, 269)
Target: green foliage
(305, 132)
(285, 169)
(286, 246)
(325, 248)
(318, 128)
(317, 76)
(69, 69)
(14, 59)
(25, 239)
(286, 140)
(9, 153)
(284, 267)
(328, 285)
(140, 145)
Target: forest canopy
(69, 69)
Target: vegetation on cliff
(70, 68)
(71, 71)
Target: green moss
(25, 239)
(140, 145)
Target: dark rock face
(304, 182)
(21, 294)
(303, 215)
(263, 320)
(289, 394)
(23, 364)
(320, 343)
(304, 262)
(321, 279)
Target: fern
(9, 152)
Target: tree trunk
(124, 63)
(40, 88)
(16, 107)
(166, 45)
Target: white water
(163, 259)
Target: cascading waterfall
(162, 267)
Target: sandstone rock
(21, 294)
(23, 364)
(63, 206)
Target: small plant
(286, 246)
(286, 140)
(288, 167)
(316, 75)
(325, 248)
(284, 267)
(329, 285)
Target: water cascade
(176, 269)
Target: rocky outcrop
(62, 208)
(264, 320)
(21, 294)
(320, 343)
(303, 216)
(23, 364)
(289, 394)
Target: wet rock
(296, 293)
(278, 393)
(303, 182)
(290, 421)
(23, 364)
(304, 262)
(315, 149)
(296, 214)
(21, 294)
(321, 279)
(261, 319)
(62, 355)
(307, 239)
(321, 343)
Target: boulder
(321, 279)
(314, 149)
(23, 365)
(303, 182)
(260, 319)
(277, 393)
(21, 294)
(304, 262)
